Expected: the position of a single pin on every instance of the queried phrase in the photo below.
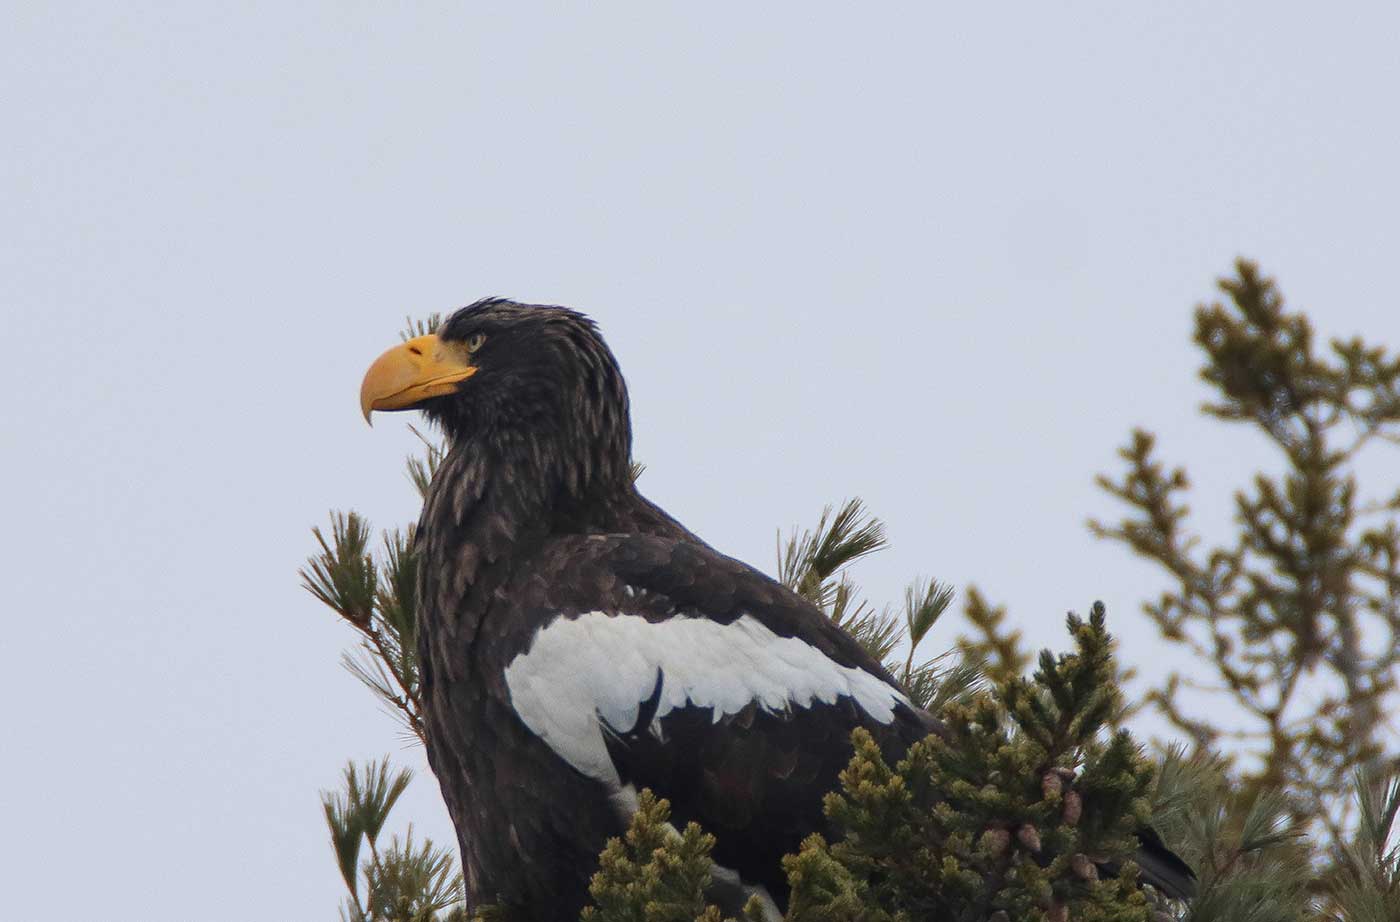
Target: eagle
(578, 644)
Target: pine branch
(378, 599)
(1367, 880)
(998, 653)
(813, 563)
(924, 603)
(343, 576)
(1299, 616)
(414, 883)
(653, 874)
(809, 559)
(991, 821)
(421, 327)
(405, 882)
(422, 470)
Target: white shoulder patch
(583, 673)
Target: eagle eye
(475, 341)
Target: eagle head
(520, 378)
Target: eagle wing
(660, 663)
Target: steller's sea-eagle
(578, 644)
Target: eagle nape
(577, 644)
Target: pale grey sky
(942, 257)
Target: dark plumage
(578, 643)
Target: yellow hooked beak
(408, 374)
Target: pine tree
(1295, 621)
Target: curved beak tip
(366, 402)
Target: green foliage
(422, 469)
(813, 564)
(1295, 624)
(1023, 807)
(998, 650)
(377, 598)
(405, 882)
(414, 883)
(810, 559)
(1251, 859)
(653, 874)
(343, 575)
(1367, 878)
(414, 328)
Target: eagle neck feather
(491, 501)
